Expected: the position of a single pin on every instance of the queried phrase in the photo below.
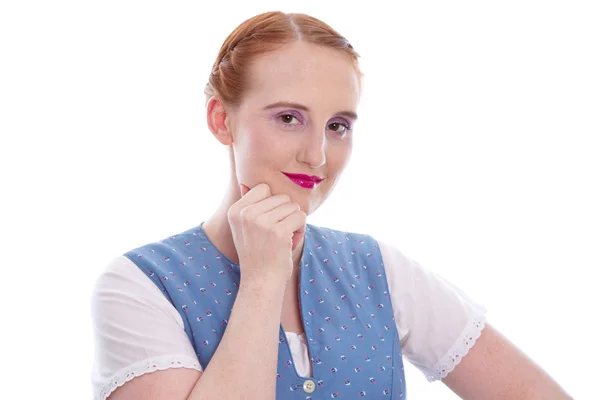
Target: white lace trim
(143, 367)
(461, 347)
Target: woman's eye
(288, 118)
(339, 127)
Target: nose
(313, 151)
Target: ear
(217, 118)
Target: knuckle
(232, 214)
(246, 214)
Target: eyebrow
(349, 114)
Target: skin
(264, 143)
(262, 146)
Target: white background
(476, 153)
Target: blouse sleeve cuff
(143, 367)
(465, 341)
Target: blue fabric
(345, 306)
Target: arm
(139, 336)
(262, 226)
(245, 363)
(142, 348)
(444, 334)
(255, 314)
(495, 369)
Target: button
(309, 386)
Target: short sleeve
(437, 322)
(136, 329)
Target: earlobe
(216, 115)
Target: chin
(309, 208)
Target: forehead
(306, 73)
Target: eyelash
(347, 127)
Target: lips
(306, 181)
(303, 177)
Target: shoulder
(122, 285)
(337, 234)
(355, 240)
(150, 255)
(120, 271)
(167, 240)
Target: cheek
(266, 143)
(338, 157)
(250, 141)
(260, 147)
(259, 144)
(256, 150)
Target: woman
(280, 308)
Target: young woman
(254, 303)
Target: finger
(254, 195)
(279, 212)
(264, 207)
(296, 224)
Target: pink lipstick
(305, 181)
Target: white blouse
(137, 330)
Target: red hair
(261, 34)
